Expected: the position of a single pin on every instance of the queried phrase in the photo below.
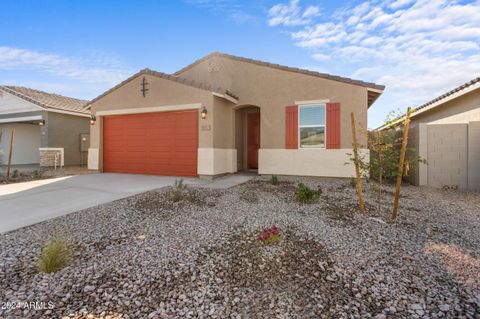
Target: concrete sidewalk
(24, 204)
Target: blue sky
(80, 48)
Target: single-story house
(446, 132)
(48, 127)
(223, 114)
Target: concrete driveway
(24, 204)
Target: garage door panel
(155, 143)
(182, 155)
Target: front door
(253, 139)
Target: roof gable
(198, 85)
(284, 68)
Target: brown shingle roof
(48, 100)
(286, 68)
(166, 76)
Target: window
(311, 126)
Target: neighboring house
(224, 114)
(446, 132)
(44, 124)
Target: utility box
(84, 142)
(84, 145)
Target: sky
(81, 48)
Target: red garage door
(163, 143)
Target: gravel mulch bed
(149, 257)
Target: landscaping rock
(149, 257)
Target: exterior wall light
(93, 119)
(41, 122)
(203, 113)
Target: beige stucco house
(49, 129)
(446, 132)
(223, 114)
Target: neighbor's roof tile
(48, 100)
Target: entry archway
(247, 136)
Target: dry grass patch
(55, 255)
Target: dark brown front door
(253, 139)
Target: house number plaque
(206, 127)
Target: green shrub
(274, 180)
(177, 192)
(306, 195)
(55, 256)
(353, 182)
(15, 173)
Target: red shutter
(291, 127)
(333, 125)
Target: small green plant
(353, 182)
(15, 173)
(306, 195)
(55, 256)
(270, 235)
(177, 192)
(274, 180)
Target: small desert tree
(385, 148)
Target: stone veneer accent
(47, 157)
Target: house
(223, 114)
(446, 132)
(46, 126)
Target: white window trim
(324, 101)
(300, 126)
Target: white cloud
(291, 14)
(321, 57)
(232, 9)
(312, 11)
(418, 49)
(400, 3)
(93, 69)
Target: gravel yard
(147, 257)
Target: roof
(146, 71)
(48, 100)
(286, 68)
(450, 95)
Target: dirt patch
(18, 177)
(282, 187)
(343, 210)
(249, 196)
(294, 277)
(286, 190)
(160, 201)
